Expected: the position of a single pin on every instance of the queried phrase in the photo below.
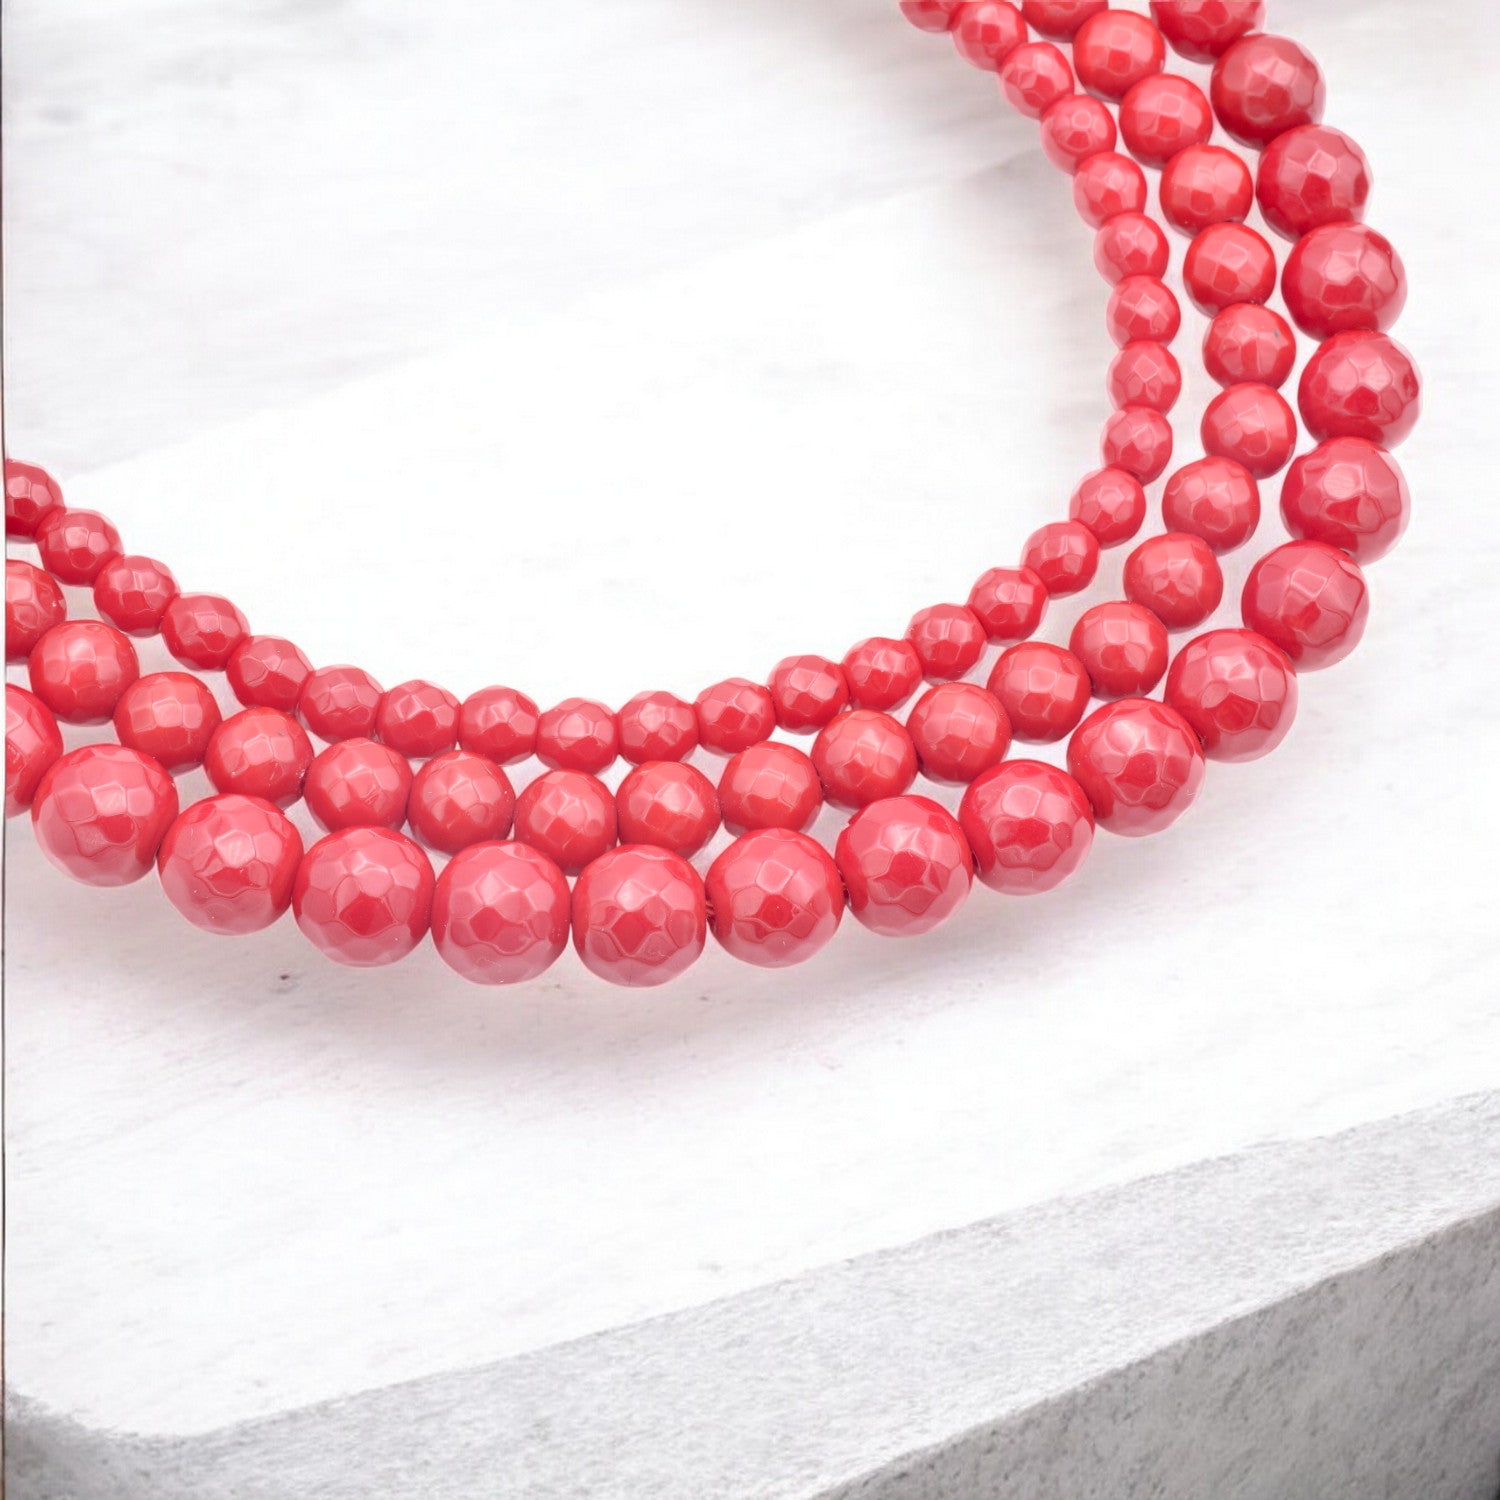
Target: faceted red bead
(1043, 689)
(948, 640)
(1310, 600)
(1114, 50)
(986, 32)
(202, 630)
(80, 668)
(668, 805)
(1122, 647)
(1162, 115)
(1106, 185)
(1360, 384)
(775, 898)
(498, 723)
(1249, 343)
(1008, 602)
(657, 726)
(339, 703)
(33, 605)
(1343, 276)
(352, 784)
(418, 719)
(1145, 374)
(906, 865)
(639, 916)
(1029, 826)
(1064, 555)
(1238, 692)
(32, 742)
(862, 756)
(267, 671)
(263, 752)
(133, 593)
(931, 15)
(1130, 245)
(457, 799)
(228, 863)
(569, 816)
(577, 735)
(1060, 19)
(75, 544)
(1252, 425)
(1035, 75)
(882, 672)
(1143, 307)
(807, 691)
(1139, 763)
(101, 812)
(770, 785)
(1205, 185)
(1264, 85)
(1349, 493)
(734, 714)
(1075, 128)
(1110, 502)
(1137, 439)
(500, 913)
(1311, 175)
(170, 716)
(1177, 577)
(1201, 29)
(1213, 498)
(958, 730)
(30, 493)
(1228, 263)
(363, 896)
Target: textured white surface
(668, 266)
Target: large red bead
(775, 898)
(948, 640)
(1035, 75)
(862, 756)
(1213, 498)
(932, 15)
(1074, 128)
(639, 916)
(1201, 29)
(1029, 826)
(76, 544)
(30, 493)
(1142, 307)
(1123, 648)
(202, 630)
(1144, 374)
(1310, 600)
(169, 716)
(1249, 343)
(1360, 384)
(458, 799)
(734, 714)
(1064, 555)
(1311, 175)
(1138, 440)
(267, 671)
(657, 726)
(1162, 115)
(500, 913)
(1177, 577)
(339, 703)
(669, 805)
(1264, 85)
(499, 724)
(986, 32)
(577, 735)
(1114, 50)
(418, 719)
(1139, 764)
(1110, 502)
(363, 896)
(1008, 602)
(1043, 689)
(770, 785)
(133, 593)
(906, 865)
(959, 730)
(1130, 245)
(1205, 185)
(33, 605)
(882, 673)
(1237, 690)
(80, 668)
(1342, 276)
(807, 691)
(1349, 493)
(228, 863)
(1251, 425)
(263, 752)
(569, 816)
(1106, 185)
(32, 742)
(354, 784)
(1060, 19)
(1228, 263)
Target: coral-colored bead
(639, 916)
(418, 719)
(133, 593)
(1177, 577)
(1137, 439)
(1111, 503)
(862, 756)
(1106, 185)
(1035, 75)
(75, 544)
(775, 898)
(1311, 175)
(1264, 85)
(33, 605)
(1310, 600)
(1213, 498)
(906, 865)
(770, 785)
(657, 726)
(931, 15)
(228, 863)
(1008, 602)
(1114, 50)
(1201, 29)
(1363, 385)
(1060, 19)
(202, 630)
(1029, 826)
(1064, 555)
(1252, 425)
(263, 752)
(1349, 493)
(668, 805)
(948, 639)
(363, 896)
(986, 32)
(457, 799)
(882, 672)
(807, 691)
(169, 716)
(32, 742)
(267, 671)
(1225, 264)
(1162, 115)
(1142, 308)
(1075, 128)
(354, 784)
(500, 913)
(1238, 692)
(1249, 343)
(577, 735)
(569, 816)
(80, 668)
(1139, 763)
(339, 703)
(1343, 276)
(1123, 648)
(1145, 374)
(1043, 688)
(100, 814)
(734, 714)
(1130, 245)
(1205, 185)
(958, 730)
(499, 724)
(30, 493)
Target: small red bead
(101, 812)
(882, 672)
(986, 32)
(958, 730)
(569, 816)
(1311, 175)
(1349, 493)
(32, 742)
(639, 916)
(931, 15)
(1106, 185)
(1177, 577)
(1111, 503)
(33, 605)
(1213, 498)
(577, 735)
(339, 703)
(1060, 19)
(1145, 374)
(1043, 688)
(133, 593)
(1035, 75)
(354, 783)
(906, 865)
(1205, 185)
(1064, 555)
(1008, 602)
(734, 714)
(1238, 692)
(228, 863)
(1252, 425)
(775, 898)
(1139, 763)
(80, 668)
(862, 756)
(1343, 276)
(1138, 440)
(1029, 826)
(1162, 115)
(1264, 85)
(1201, 29)
(1123, 648)
(363, 896)
(30, 493)
(169, 716)
(657, 726)
(668, 805)
(1225, 264)
(1360, 384)
(1074, 129)
(1249, 343)
(418, 719)
(1114, 50)
(1143, 308)
(770, 785)
(75, 544)
(267, 671)
(500, 913)
(1310, 600)
(498, 723)
(807, 691)
(263, 752)
(948, 639)
(457, 799)
(202, 630)
(1130, 245)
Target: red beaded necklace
(500, 910)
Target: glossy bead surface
(1122, 647)
(1033, 76)
(577, 734)
(734, 714)
(1111, 503)
(1130, 245)
(906, 865)
(668, 805)
(657, 726)
(169, 716)
(1205, 185)
(76, 544)
(1310, 600)
(1225, 264)
(263, 752)
(1144, 374)
(202, 630)
(1106, 185)
(1362, 385)
(1252, 426)
(228, 863)
(1029, 826)
(1249, 343)
(418, 719)
(1177, 577)
(1238, 692)
(1074, 128)
(1064, 555)
(1142, 308)
(1139, 764)
(569, 816)
(499, 724)
(986, 32)
(339, 703)
(1114, 50)
(948, 640)
(33, 605)
(1162, 115)
(1264, 85)
(30, 493)
(1043, 688)
(1343, 276)
(1008, 602)
(101, 812)
(80, 668)
(1311, 175)
(1213, 498)
(457, 799)
(882, 672)
(355, 784)
(862, 756)
(32, 742)
(807, 691)
(363, 896)
(267, 671)
(1138, 440)
(775, 897)
(1201, 29)
(1060, 19)
(639, 916)
(1348, 493)
(770, 785)
(500, 913)
(931, 15)
(958, 730)
(133, 593)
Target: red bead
(807, 691)
(498, 723)
(881, 672)
(1106, 185)
(1349, 493)
(948, 639)
(639, 916)
(958, 730)
(363, 896)
(1225, 264)
(267, 671)
(668, 805)
(354, 784)
(931, 15)
(1139, 763)
(862, 756)
(1252, 425)
(1264, 85)
(1008, 602)
(1343, 276)
(202, 630)
(1138, 440)
(32, 742)
(1238, 692)
(1213, 498)
(262, 752)
(1177, 577)
(1064, 555)
(775, 897)
(1130, 245)
(100, 813)
(30, 493)
(986, 32)
(1060, 19)
(734, 714)
(1110, 502)
(1043, 689)
(133, 593)
(169, 716)
(500, 913)
(1074, 129)
(1122, 647)
(1145, 374)
(1205, 185)
(577, 735)
(1362, 385)
(33, 605)
(569, 816)
(339, 703)
(769, 786)
(458, 799)
(80, 668)
(906, 865)
(1114, 50)
(1162, 115)
(1311, 175)
(1143, 308)
(75, 544)
(1310, 600)
(1201, 29)
(418, 719)
(1029, 826)
(1035, 75)
(228, 863)
(1249, 343)
(657, 726)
